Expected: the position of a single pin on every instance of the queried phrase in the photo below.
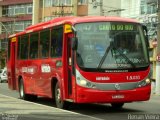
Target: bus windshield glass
(111, 45)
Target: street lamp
(5, 30)
(6, 35)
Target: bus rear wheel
(22, 93)
(117, 105)
(58, 98)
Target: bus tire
(22, 93)
(58, 98)
(117, 105)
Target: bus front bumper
(85, 95)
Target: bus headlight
(81, 81)
(144, 82)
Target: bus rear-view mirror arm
(74, 39)
(74, 43)
(146, 35)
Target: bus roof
(72, 20)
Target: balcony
(82, 10)
(14, 2)
(16, 18)
(151, 1)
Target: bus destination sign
(127, 27)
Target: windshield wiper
(111, 46)
(124, 56)
(104, 56)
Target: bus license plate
(117, 96)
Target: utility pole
(75, 3)
(6, 40)
(158, 51)
(35, 15)
(101, 8)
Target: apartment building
(44, 10)
(15, 16)
(145, 11)
(104, 7)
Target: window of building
(19, 9)
(44, 44)
(67, 2)
(82, 2)
(47, 3)
(18, 26)
(4, 10)
(148, 8)
(33, 54)
(29, 9)
(55, 2)
(56, 42)
(3, 44)
(15, 26)
(27, 23)
(47, 18)
(64, 2)
(11, 11)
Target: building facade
(131, 8)
(145, 11)
(104, 7)
(44, 10)
(15, 16)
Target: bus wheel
(117, 105)
(58, 98)
(22, 93)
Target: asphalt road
(149, 110)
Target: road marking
(52, 107)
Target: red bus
(81, 60)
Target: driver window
(138, 44)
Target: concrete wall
(104, 7)
(93, 8)
(112, 7)
(35, 15)
(132, 8)
(82, 10)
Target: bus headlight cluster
(81, 81)
(144, 82)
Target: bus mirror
(74, 43)
(146, 35)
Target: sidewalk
(16, 109)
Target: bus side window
(44, 43)
(56, 42)
(33, 54)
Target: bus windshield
(111, 45)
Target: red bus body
(40, 75)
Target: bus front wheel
(58, 98)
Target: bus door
(70, 68)
(11, 74)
